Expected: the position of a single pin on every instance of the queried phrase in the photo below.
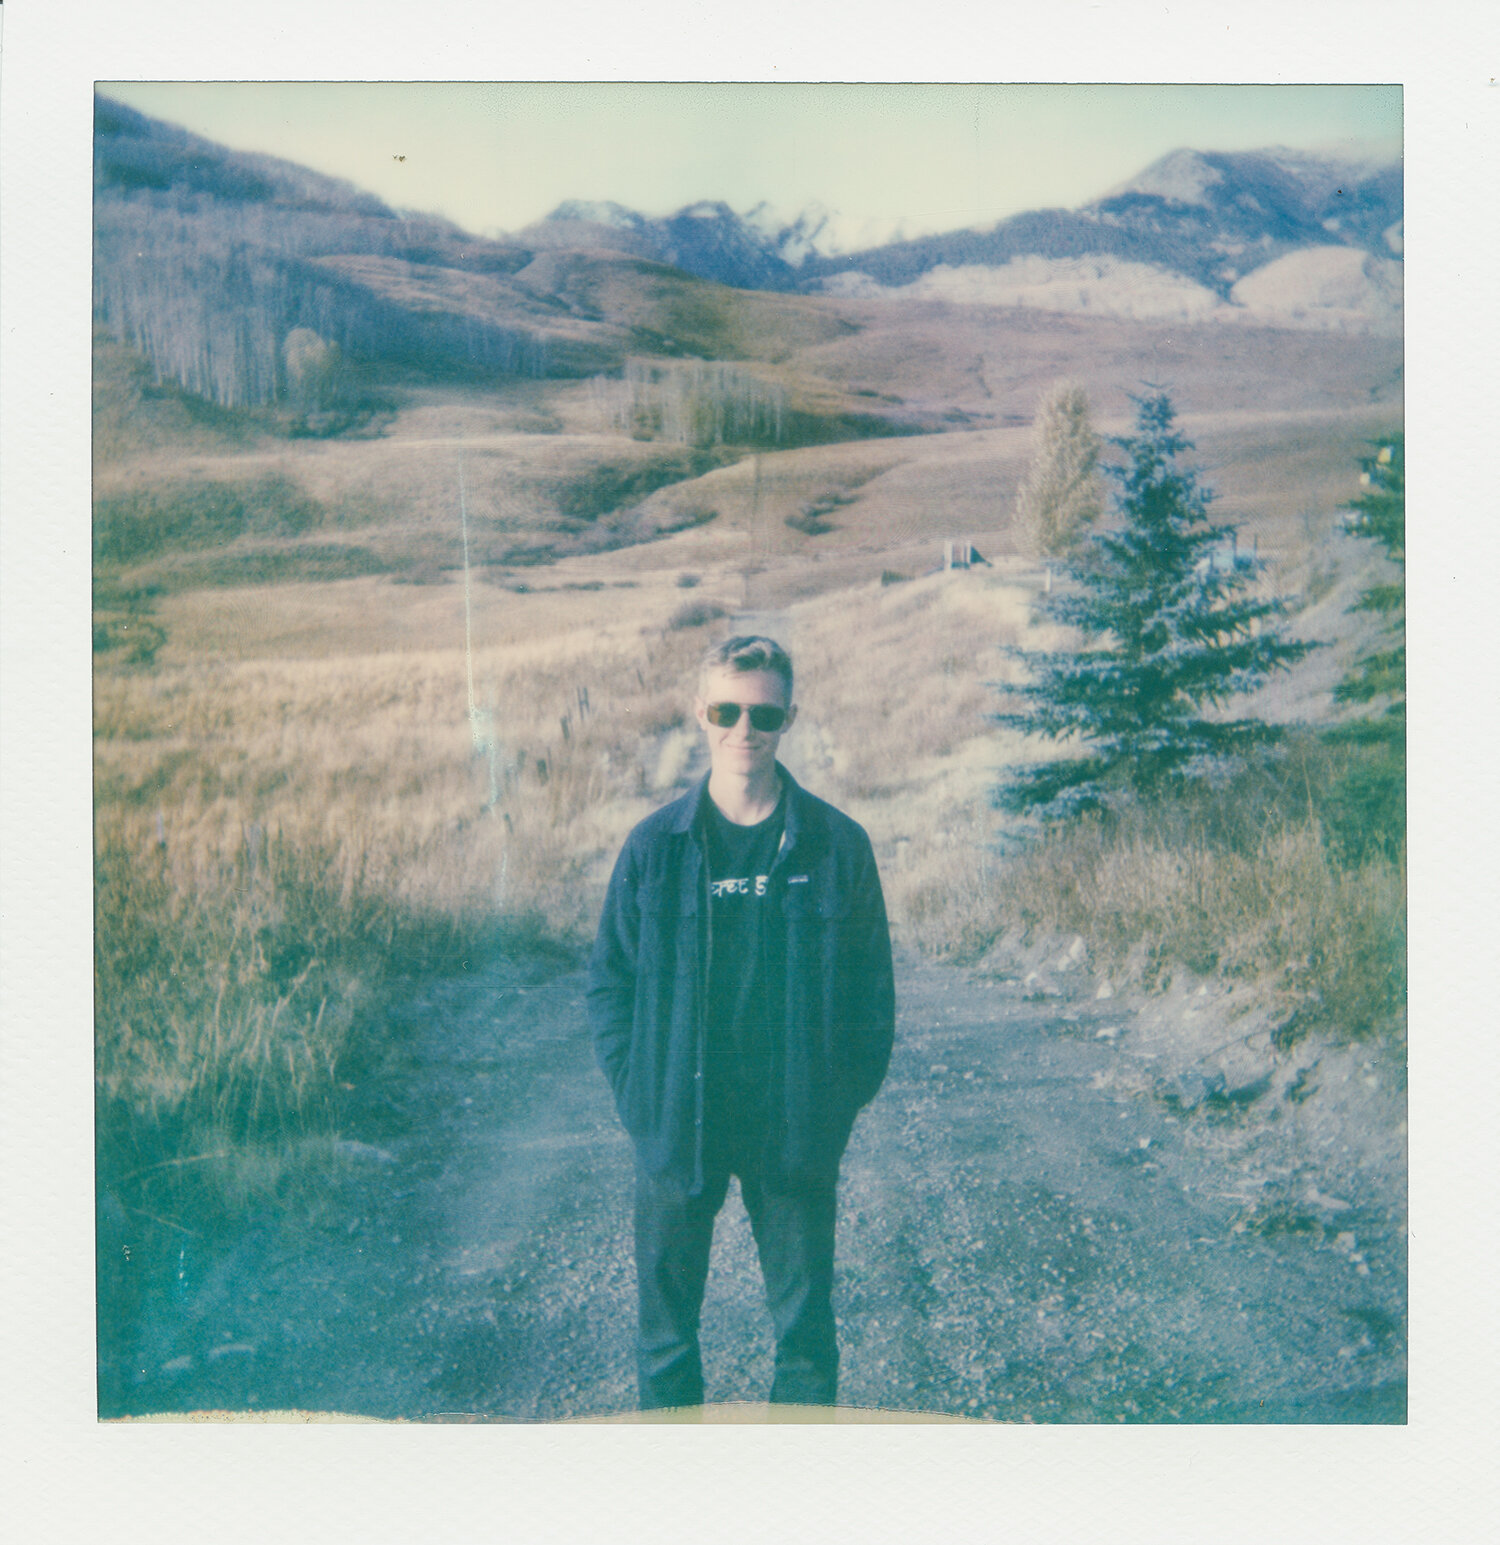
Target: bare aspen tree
(1062, 495)
(698, 402)
(209, 295)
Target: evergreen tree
(1061, 497)
(1170, 633)
(1380, 515)
(1364, 805)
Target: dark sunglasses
(765, 717)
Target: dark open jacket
(648, 976)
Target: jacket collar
(798, 805)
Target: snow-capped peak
(598, 212)
(817, 230)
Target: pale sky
(493, 157)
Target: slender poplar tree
(1062, 496)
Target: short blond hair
(749, 652)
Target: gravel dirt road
(1034, 1226)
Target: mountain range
(241, 277)
(1210, 217)
(762, 248)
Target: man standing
(742, 1008)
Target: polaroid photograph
(748, 758)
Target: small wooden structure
(962, 555)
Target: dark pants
(794, 1238)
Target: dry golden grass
(374, 756)
(1323, 941)
(280, 709)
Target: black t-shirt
(744, 973)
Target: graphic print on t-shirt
(741, 978)
(740, 886)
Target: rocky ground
(1051, 1213)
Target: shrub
(139, 635)
(614, 485)
(124, 618)
(808, 522)
(266, 565)
(686, 520)
(695, 614)
(422, 574)
(183, 516)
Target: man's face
(740, 748)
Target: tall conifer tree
(1365, 804)
(1171, 632)
(1380, 515)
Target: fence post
(254, 833)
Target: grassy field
(295, 800)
